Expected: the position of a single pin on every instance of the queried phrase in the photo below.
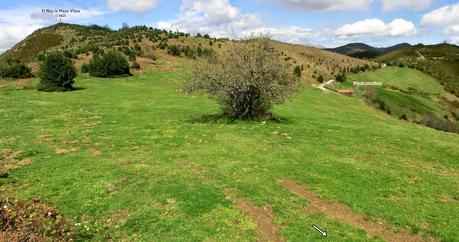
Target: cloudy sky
(326, 23)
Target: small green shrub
(110, 64)
(56, 73)
(320, 79)
(15, 70)
(174, 50)
(341, 78)
(297, 71)
(135, 65)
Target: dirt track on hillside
(345, 214)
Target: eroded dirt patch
(32, 221)
(9, 160)
(95, 152)
(263, 217)
(345, 214)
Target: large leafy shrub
(247, 79)
(57, 73)
(110, 64)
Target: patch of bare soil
(116, 218)
(20, 221)
(60, 151)
(263, 217)
(345, 214)
(95, 152)
(9, 161)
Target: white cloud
(454, 29)
(323, 5)
(221, 19)
(291, 34)
(398, 27)
(454, 40)
(212, 12)
(410, 4)
(444, 16)
(139, 6)
(215, 17)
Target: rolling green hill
(133, 159)
(440, 61)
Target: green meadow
(134, 159)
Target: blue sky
(326, 23)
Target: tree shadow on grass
(76, 89)
(221, 118)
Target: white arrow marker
(323, 233)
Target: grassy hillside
(132, 159)
(401, 78)
(408, 94)
(146, 45)
(440, 61)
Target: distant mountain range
(361, 50)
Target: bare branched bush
(247, 79)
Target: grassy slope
(402, 103)
(181, 163)
(414, 104)
(402, 78)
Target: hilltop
(361, 50)
(149, 47)
(440, 61)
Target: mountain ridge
(362, 50)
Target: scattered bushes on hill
(15, 70)
(110, 64)
(56, 73)
(247, 79)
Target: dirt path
(345, 214)
(421, 57)
(323, 88)
(263, 217)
